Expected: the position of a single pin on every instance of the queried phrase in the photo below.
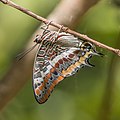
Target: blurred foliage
(78, 97)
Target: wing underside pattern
(53, 63)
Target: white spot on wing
(38, 80)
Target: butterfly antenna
(21, 55)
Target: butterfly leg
(45, 30)
(45, 27)
(57, 34)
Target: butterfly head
(90, 48)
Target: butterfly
(54, 62)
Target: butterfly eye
(87, 46)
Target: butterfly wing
(53, 65)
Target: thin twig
(12, 4)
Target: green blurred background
(79, 97)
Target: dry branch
(12, 4)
